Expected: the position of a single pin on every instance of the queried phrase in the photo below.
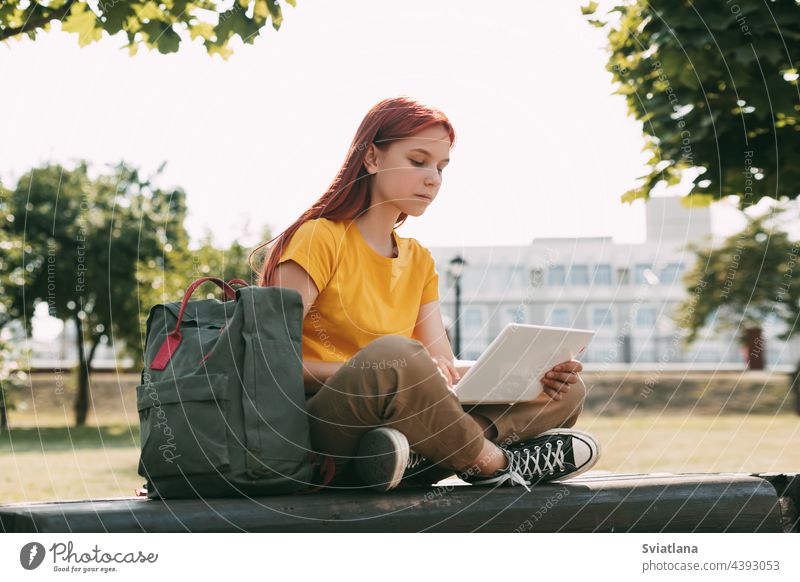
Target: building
(626, 292)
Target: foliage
(12, 379)
(79, 240)
(162, 25)
(715, 85)
(751, 280)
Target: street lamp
(455, 269)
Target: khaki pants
(394, 382)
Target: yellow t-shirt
(362, 294)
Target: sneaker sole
(382, 458)
(586, 437)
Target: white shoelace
(528, 464)
(414, 459)
(524, 465)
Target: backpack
(222, 402)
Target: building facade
(626, 292)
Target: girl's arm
(290, 274)
(430, 331)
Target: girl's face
(408, 173)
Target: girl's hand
(557, 380)
(447, 369)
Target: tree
(12, 377)
(723, 290)
(81, 240)
(11, 373)
(715, 86)
(160, 24)
(748, 283)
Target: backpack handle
(232, 282)
(173, 340)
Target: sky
(544, 148)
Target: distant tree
(12, 274)
(12, 378)
(154, 24)
(81, 240)
(748, 283)
(715, 86)
(11, 372)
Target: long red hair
(349, 195)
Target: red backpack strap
(239, 282)
(325, 468)
(173, 339)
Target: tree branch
(58, 13)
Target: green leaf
(149, 11)
(84, 23)
(590, 8)
(168, 40)
(202, 29)
(275, 12)
(221, 50)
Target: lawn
(58, 463)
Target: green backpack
(221, 403)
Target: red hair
(349, 195)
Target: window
(473, 318)
(496, 279)
(520, 314)
(537, 277)
(579, 275)
(514, 314)
(646, 317)
(670, 274)
(516, 275)
(556, 275)
(598, 350)
(472, 279)
(622, 276)
(559, 317)
(602, 317)
(602, 275)
(640, 274)
(647, 354)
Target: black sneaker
(383, 458)
(554, 455)
(422, 472)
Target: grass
(680, 443)
(59, 463)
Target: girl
(377, 365)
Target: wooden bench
(727, 502)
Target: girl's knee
(406, 357)
(392, 346)
(396, 352)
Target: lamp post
(455, 269)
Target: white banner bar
(399, 557)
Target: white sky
(543, 147)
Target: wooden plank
(787, 487)
(605, 503)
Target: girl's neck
(376, 226)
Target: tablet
(509, 369)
